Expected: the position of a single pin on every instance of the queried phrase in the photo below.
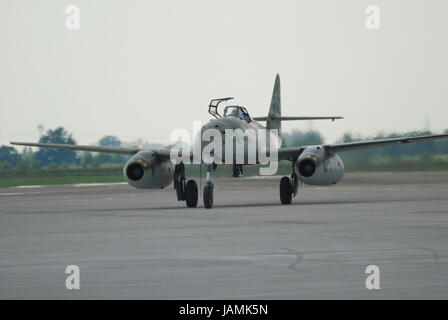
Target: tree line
(44, 158)
(424, 152)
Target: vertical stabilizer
(275, 112)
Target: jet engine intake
(307, 167)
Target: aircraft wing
(383, 142)
(292, 152)
(163, 154)
(75, 147)
(289, 153)
(283, 153)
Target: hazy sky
(139, 69)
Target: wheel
(208, 196)
(235, 173)
(191, 194)
(237, 170)
(285, 190)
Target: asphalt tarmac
(134, 244)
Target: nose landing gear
(188, 190)
(208, 195)
(209, 188)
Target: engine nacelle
(315, 166)
(146, 171)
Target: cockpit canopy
(237, 112)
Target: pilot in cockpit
(232, 112)
(244, 115)
(237, 112)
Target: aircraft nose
(213, 127)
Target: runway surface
(138, 244)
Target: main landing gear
(186, 190)
(288, 188)
(237, 170)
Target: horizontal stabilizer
(297, 118)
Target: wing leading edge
(383, 142)
(291, 152)
(117, 150)
(163, 154)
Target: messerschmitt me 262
(313, 165)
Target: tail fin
(275, 110)
(274, 118)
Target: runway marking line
(79, 185)
(12, 194)
(287, 219)
(28, 187)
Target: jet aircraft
(313, 165)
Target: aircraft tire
(285, 190)
(191, 194)
(208, 196)
(235, 171)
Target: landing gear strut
(237, 170)
(185, 190)
(289, 188)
